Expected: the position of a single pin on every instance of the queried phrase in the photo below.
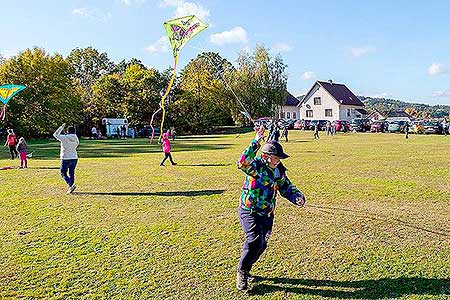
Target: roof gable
(341, 93)
(291, 100)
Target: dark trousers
(167, 155)
(13, 152)
(68, 165)
(257, 231)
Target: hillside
(384, 105)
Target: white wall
(328, 102)
(291, 110)
(353, 113)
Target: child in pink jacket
(166, 148)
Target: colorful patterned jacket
(262, 183)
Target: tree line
(86, 86)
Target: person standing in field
(68, 155)
(11, 142)
(22, 149)
(265, 176)
(406, 129)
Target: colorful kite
(179, 31)
(6, 93)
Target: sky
(393, 49)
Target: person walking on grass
(166, 148)
(316, 131)
(11, 142)
(68, 154)
(265, 175)
(285, 134)
(22, 149)
(406, 129)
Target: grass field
(376, 223)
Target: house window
(317, 101)
(294, 115)
(288, 115)
(328, 112)
(309, 113)
(348, 112)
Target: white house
(327, 100)
(290, 110)
(398, 116)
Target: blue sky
(397, 49)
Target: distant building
(375, 116)
(327, 100)
(398, 115)
(290, 110)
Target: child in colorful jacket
(22, 149)
(265, 176)
(166, 148)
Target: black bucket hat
(273, 147)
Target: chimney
(330, 81)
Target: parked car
(360, 125)
(394, 127)
(377, 126)
(322, 124)
(341, 125)
(263, 121)
(431, 127)
(289, 123)
(146, 131)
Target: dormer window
(317, 101)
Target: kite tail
(165, 95)
(3, 112)
(151, 124)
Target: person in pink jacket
(166, 148)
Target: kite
(179, 32)
(6, 93)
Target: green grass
(376, 224)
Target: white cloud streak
(184, 8)
(161, 45)
(93, 14)
(308, 75)
(436, 69)
(441, 94)
(282, 47)
(132, 2)
(235, 35)
(360, 51)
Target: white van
(113, 126)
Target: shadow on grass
(384, 288)
(45, 168)
(167, 194)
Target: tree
(51, 96)
(143, 92)
(202, 102)
(260, 82)
(88, 66)
(108, 99)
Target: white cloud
(381, 95)
(308, 75)
(161, 45)
(131, 2)
(436, 69)
(441, 94)
(235, 35)
(282, 47)
(360, 51)
(185, 8)
(93, 14)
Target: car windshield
(430, 123)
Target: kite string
(165, 95)
(226, 83)
(3, 113)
